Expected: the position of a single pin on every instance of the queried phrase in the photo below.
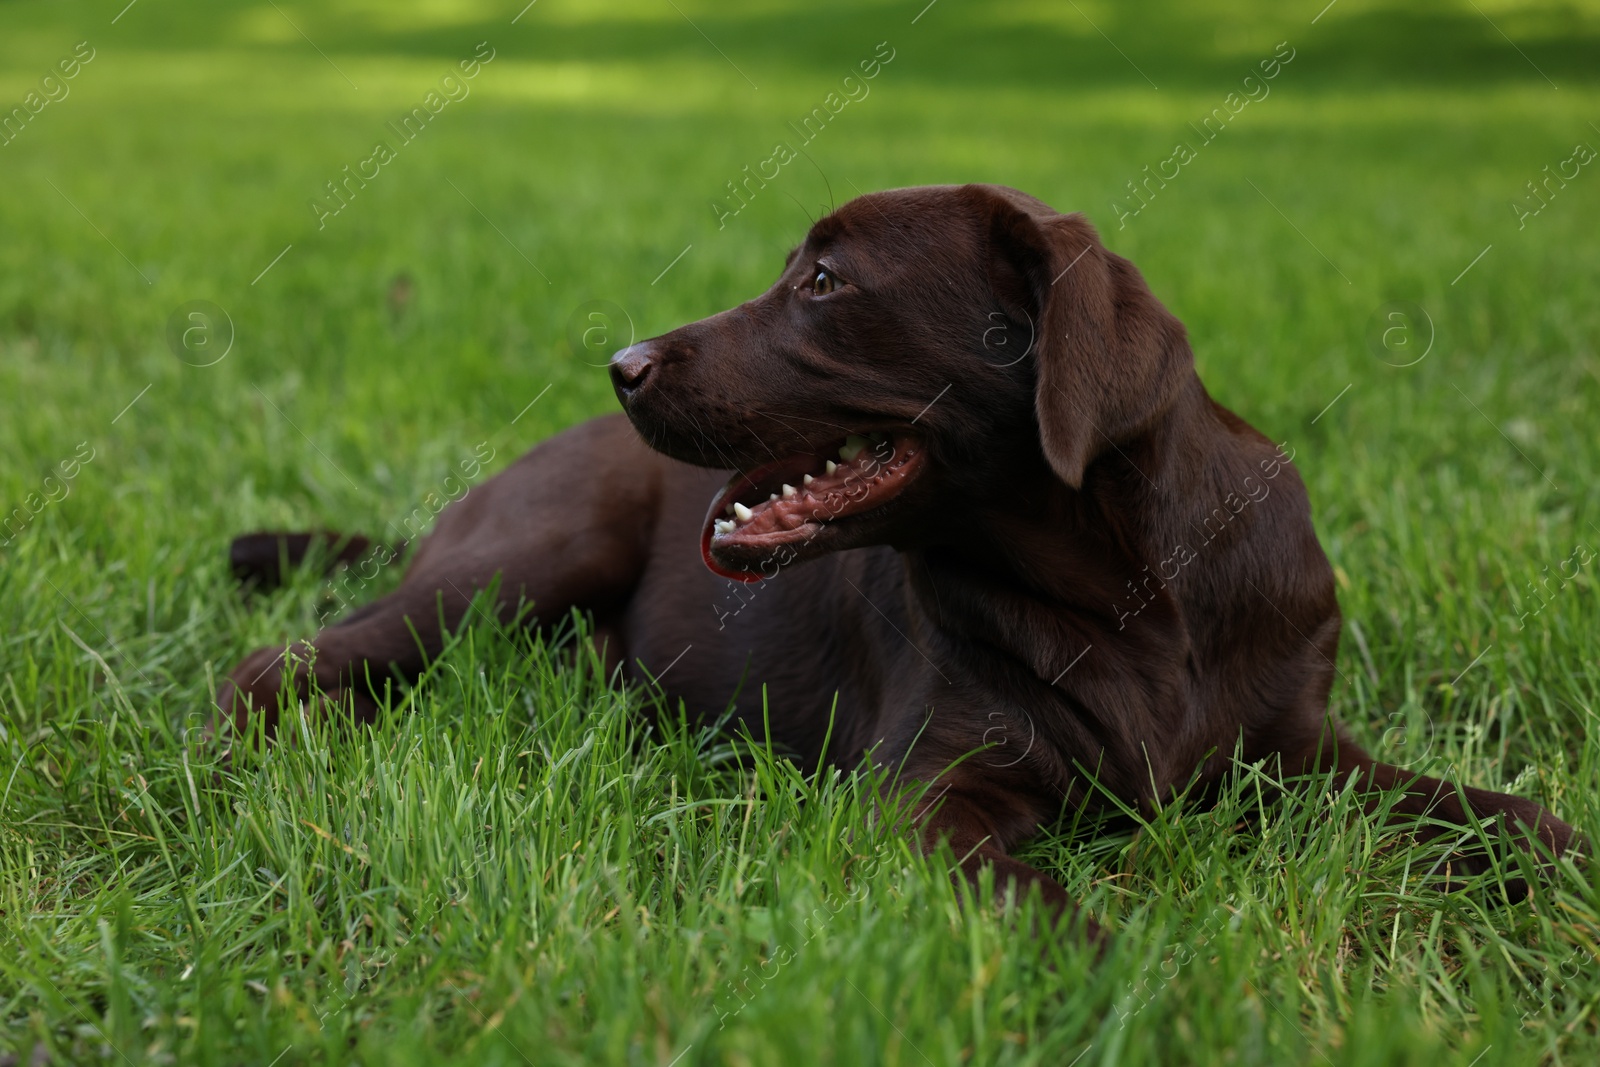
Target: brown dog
(1027, 533)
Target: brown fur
(1026, 588)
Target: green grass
(514, 867)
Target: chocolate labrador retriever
(983, 521)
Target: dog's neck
(1057, 584)
(1030, 575)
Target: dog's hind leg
(566, 526)
(260, 559)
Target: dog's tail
(263, 558)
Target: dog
(973, 517)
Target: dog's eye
(824, 283)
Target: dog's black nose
(631, 367)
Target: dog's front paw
(1521, 826)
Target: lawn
(514, 866)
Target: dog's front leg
(1510, 820)
(983, 820)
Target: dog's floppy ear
(1110, 358)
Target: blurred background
(238, 290)
(215, 280)
(585, 162)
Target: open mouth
(763, 518)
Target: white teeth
(741, 512)
(773, 499)
(832, 466)
(807, 480)
(724, 526)
(788, 491)
(853, 446)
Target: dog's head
(921, 348)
